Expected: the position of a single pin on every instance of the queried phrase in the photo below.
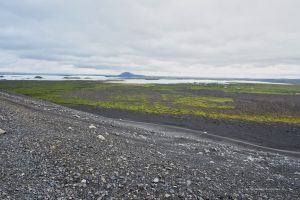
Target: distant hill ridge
(129, 75)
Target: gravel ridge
(53, 152)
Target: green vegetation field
(250, 102)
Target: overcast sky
(205, 38)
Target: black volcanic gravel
(274, 135)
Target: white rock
(206, 150)
(92, 126)
(101, 137)
(2, 132)
(103, 179)
(156, 180)
(188, 182)
(143, 137)
(250, 158)
(83, 181)
(167, 195)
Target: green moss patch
(176, 99)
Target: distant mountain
(130, 75)
(127, 75)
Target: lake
(137, 81)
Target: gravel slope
(53, 152)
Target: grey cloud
(88, 65)
(152, 36)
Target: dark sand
(273, 135)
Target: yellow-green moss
(179, 99)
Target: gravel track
(53, 152)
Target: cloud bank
(207, 38)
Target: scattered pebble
(143, 137)
(103, 179)
(101, 137)
(206, 150)
(92, 126)
(167, 195)
(2, 132)
(250, 158)
(188, 182)
(156, 180)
